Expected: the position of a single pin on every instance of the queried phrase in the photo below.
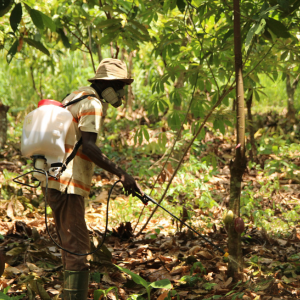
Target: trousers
(68, 212)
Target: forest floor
(31, 267)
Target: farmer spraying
(66, 194)
(61, 140)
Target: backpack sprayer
(43, 139)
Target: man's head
(110, 79)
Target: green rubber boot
(76, 284)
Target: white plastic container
(45, 130)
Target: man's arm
(90, 149)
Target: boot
(76, 284)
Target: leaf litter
(30, 264)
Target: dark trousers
(68, 212)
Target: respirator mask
(113, 97)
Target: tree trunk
(130, 94)
(237, 168)
(3, 124)
(253, 152)
(290, 90)
(99, 52)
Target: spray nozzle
(144, 198)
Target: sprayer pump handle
(144, 198)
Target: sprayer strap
(78, 99)
(79, 143)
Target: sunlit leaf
(37, 18)
(49, 22)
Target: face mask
(112, 97)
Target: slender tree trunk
(237, 168)
(253, 152)
(290, 90)
(99, 52)
(130, 94)
(3, 124)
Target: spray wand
(145, 199)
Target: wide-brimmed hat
(112, 69)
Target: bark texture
(290, 90)
(237, 168)
(3, 124)
(253, 151)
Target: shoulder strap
(79, 143)
(78, 99)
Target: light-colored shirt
(87, 115)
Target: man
(66, 195)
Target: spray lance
(43, 139)
(144, 198)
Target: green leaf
(37, 18)
(5, 297)
(161, 284)
(37, 45)
(250, 35)
(16, 251)
(261, 26)
(181, 5)
(139, 26)
(5, 6)
(284, 55)
(266, 11)
(278, 28)
(12, 51)
(136, 278)
(256, 95)
(16, 16)
(48, 22)
(108, 23)
(146, 134)
(98, 294)
(228, 34)
(64, 38)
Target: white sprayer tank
(45, 130)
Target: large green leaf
(16, 16)
(139, 26)
(5, 6)
(64, 38)
(48, 22)
(37, 45)
(260, 26)
(12, 51)
(266, 11)
(136, 278)
(161, 284)
(278, 28)
(181, 5)
(37, 18)
(250, 35)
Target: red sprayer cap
(49, 102)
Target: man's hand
(130, 185)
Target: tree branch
(83, 43)
(225, 92)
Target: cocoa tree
(237, 167)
